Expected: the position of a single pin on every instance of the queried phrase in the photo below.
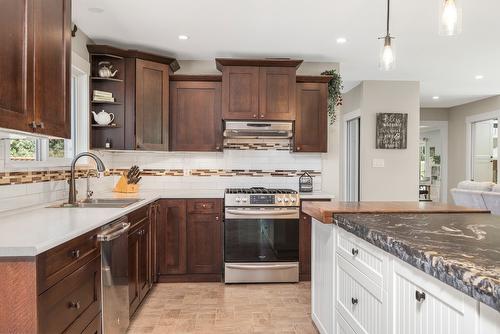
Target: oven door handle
(262, 266)
(261, 212)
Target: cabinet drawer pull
(419, 296)
(75, 253)
(75, 305)
(354, 301)
(217, 218)
(355, 251)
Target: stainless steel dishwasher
(114, 276)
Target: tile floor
(217, 308)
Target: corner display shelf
(116, 85)
(106, 79)
(104, 126)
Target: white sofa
(480, 195)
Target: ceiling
(305, 29)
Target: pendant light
(450, 17)
(387, 53)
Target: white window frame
(468, 138)
(80, 73)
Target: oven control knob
(293, 200)
(285, 200)
(244, 199)
(278, 200)
(238, 199)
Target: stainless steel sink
(100, 203)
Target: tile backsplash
(164, 171)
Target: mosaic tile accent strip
(26, 177)
(252, 172)
(257, 144)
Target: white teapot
(103, 118)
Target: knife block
(122, 186)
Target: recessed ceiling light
(96, 10)
(479, 77)
(341, 40)
(435, 97)
(183, 37)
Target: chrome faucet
(72, 186)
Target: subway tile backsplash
(164, 170)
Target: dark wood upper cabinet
(35, 62)
(151, 105)
(140, 89)
(195, 116)
(258, 89)
(16, 65)
(311, 124)
(277, 93)
(204, 243)
(240, 93)
(171, 237)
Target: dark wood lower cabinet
(139, 258)
(95, 327)
(305, 247)
(171, 238)
(204, 244)
(189, 240)
(71, 304)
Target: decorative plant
(335, 87)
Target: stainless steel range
(261, 235)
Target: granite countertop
(324, 211)
(461, 250)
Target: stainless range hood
(258, 130)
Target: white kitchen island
(358, 288)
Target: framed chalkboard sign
(392, 131)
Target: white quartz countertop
(31, 231)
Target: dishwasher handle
(114, 232)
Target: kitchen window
(34, 151)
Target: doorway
(433, 169)
(484, 150)
(352, 159)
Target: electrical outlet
(378, 163)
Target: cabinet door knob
(298, 148)
(217, 218)
(254, 115)
(217, 148)
(76, 305)
(354, 301)
(32, 125)
(204, 206)
(75, 253)
(355, 251)
(41, 125)
(419, 296)
(261, 115)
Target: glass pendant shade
(450, 17)
(387, 60)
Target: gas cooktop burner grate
(259, 190)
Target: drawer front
(72, 304)
(359, 300)
(366, 258)
(57, 263)
(95, 327)
(204, 206)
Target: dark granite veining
(461, 250)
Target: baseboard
(190, 278)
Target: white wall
(398, 179)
